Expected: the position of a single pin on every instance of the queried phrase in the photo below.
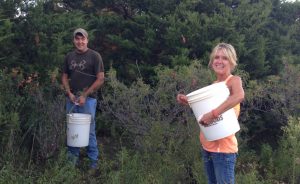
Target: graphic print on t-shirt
(77, 65)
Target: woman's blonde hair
(229, 52)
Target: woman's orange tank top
(226, 145)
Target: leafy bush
(32, 117)
(11, 175)
(267, 106)
(158, 137)
(138, 108)
(287, 159)
(58, 170)
(10, 106)
(147, 168)
(149, 119)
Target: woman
(220, 155)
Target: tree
(7, 55)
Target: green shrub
(149, 120)
(58, 170)
(10, 105)
(11, 175)
(251, 177)
(287, 159)
(139, 107)
(146, 168)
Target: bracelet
(214, 113)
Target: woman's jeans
(88, 108)
(219, 167)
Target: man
(83, 74)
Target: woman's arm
(236, 96)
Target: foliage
(10, 105)
(153, 50)
(44, 47)
(172, 32)
(9, 175)
(58, 170)
(268, 104)
(155, 168)
(139, 108)
(247, 167)
(159, 138)
(40, 132)
(44, 134)
(287, 159)
(6, 40)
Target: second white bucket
(205, 100)
(78, 129)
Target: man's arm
(65, 82)
(94, 87)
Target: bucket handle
(71, 109)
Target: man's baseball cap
(81, 31)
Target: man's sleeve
(65, 68)
(99, 64)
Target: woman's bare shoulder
(234, 80)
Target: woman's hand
(182, 99)
(207, 119)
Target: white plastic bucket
(205, 100)
(78, 129)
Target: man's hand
(81, 100)
(72, 97)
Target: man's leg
(92, 149)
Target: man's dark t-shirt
(82, 69)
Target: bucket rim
(79, 123)
(79, 118)
(78, 114)
(191, 101)
(206, 89)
